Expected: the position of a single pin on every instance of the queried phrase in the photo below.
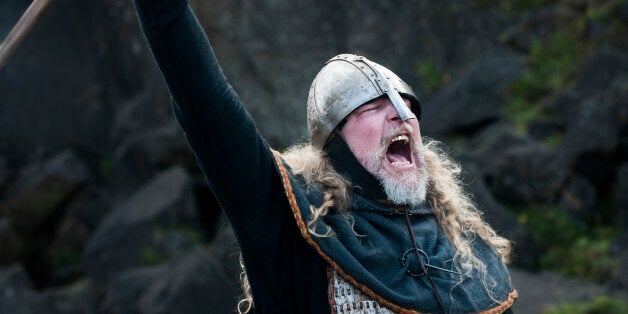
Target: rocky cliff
(102, 207)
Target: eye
(370, 107)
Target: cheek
(417, 130)
(361, 139)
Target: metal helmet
(345, 83)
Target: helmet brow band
(404, 112)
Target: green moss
(432, 77)
(573, 248)
(601, 305)
(519, 6)
(191, 233)
(152, 256)
(602, 11)
(553, 63)
(586, 258)
(65, 257)
(555, 59)
(106, 166)
(521, 112)
(514, 6)
(553, 140)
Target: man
(364, 218)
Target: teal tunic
(370, 246)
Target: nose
(391, 112)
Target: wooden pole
(21, 29)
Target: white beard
(408, 189)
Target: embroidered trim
(505, 305)
(304, 232)
(330, 290)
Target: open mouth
(399, 153)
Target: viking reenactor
(364, 218)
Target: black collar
(345, 163)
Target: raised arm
(235, 159)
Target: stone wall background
(103, 209)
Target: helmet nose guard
(345, 83)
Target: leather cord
(423, 268)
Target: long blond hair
(453, 208)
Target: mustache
(415, 146)
(403, 128)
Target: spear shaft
(21, 29)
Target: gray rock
(123, 238)
(64, 250)
(623, 10)
(564, 104)
(599, 73)
(526, 248)
(42, 189)
(537, 290)
(537, 23)
(474, 98)
(483, 147)
(5, 173)
(544, 128)
(90, 207)
(187, 284)
(622, 194)
(190, 287)
(171, 242)
(272, 50)
(143, 154)
(73, 100)
(594, 112)
(516, 169)
(17, 295)
(595, 140)
(598, 123)
(579, 199)
(126, 288)
(528, 174)
(140, 113)
(12, 246)
(65, 165)
(619, 249)
(79, 298)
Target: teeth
(400, 138)
(400, 163)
